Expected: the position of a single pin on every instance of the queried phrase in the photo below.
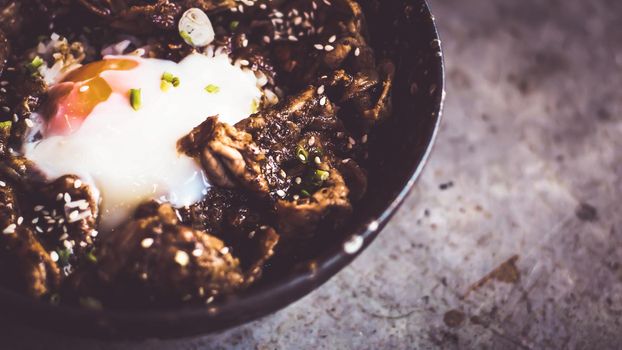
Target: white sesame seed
(364, 139)
(74, 215)
(224, 251)
(54, 256)
(147, 242)
(29, 122)
(357, 52)
(329, 48)
(321, 89)
(245, 43)
(38, 207)
(59, 196)
(319, 46)
(2, 184)
(182, 258)
(280, 193)
(332, 39)
(317, 160)
(353, 244)
(311, 141)
(9, 229)
(197, 252)
(298, 180)
(77, 184)
(20, 220)
(67, 197)
(323, 101)
(84, 88)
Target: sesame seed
(77, 184)
(182, 258)
(317, 160)
(245, 43)
(20, 220)
(59, 196)
(329, 48)
(311, 141)
(280, 193)
(84, 88)
(321, 89)
(353, 244)
(147, 242)
(2, 184)
(29, 122)
(224, 251)
(357, 52)
(67, 197)
(197, 252)
(9, 229)
(323, 101)
(296, 197)
(54, 256)
(351, 141)
(364, 139)
(332, 39)
(319, 46)
(73, 216)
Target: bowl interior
(402, 31)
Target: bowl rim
(273, 297)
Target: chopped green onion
(305, 193)
(302, 154)
(6, 124)
(63, 257)
(184, 35)
(234, 25)
(90, 256)
(35, 64)
(321, 175)
(212, 89)
(254, 106)
(135, 99)
(169, 79)
(165, 85)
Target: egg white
(131, 155)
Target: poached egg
(116, 123)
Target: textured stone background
(513, 236)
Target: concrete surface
(512, 238)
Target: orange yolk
(75, 97)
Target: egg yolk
(75, 97)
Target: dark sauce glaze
(286, 177)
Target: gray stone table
(512, 238)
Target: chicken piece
(24, 264)
(155, 258)
(65, 214)
(300, 217)
(228, 155)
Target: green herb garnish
(234, 25)
(321, 175)
(212, 89)
(6, 125)
(169, 79)
(302, 154)
(90, 256)
(135, 99)
(186, 36)
(35, 64)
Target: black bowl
(401, 30)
